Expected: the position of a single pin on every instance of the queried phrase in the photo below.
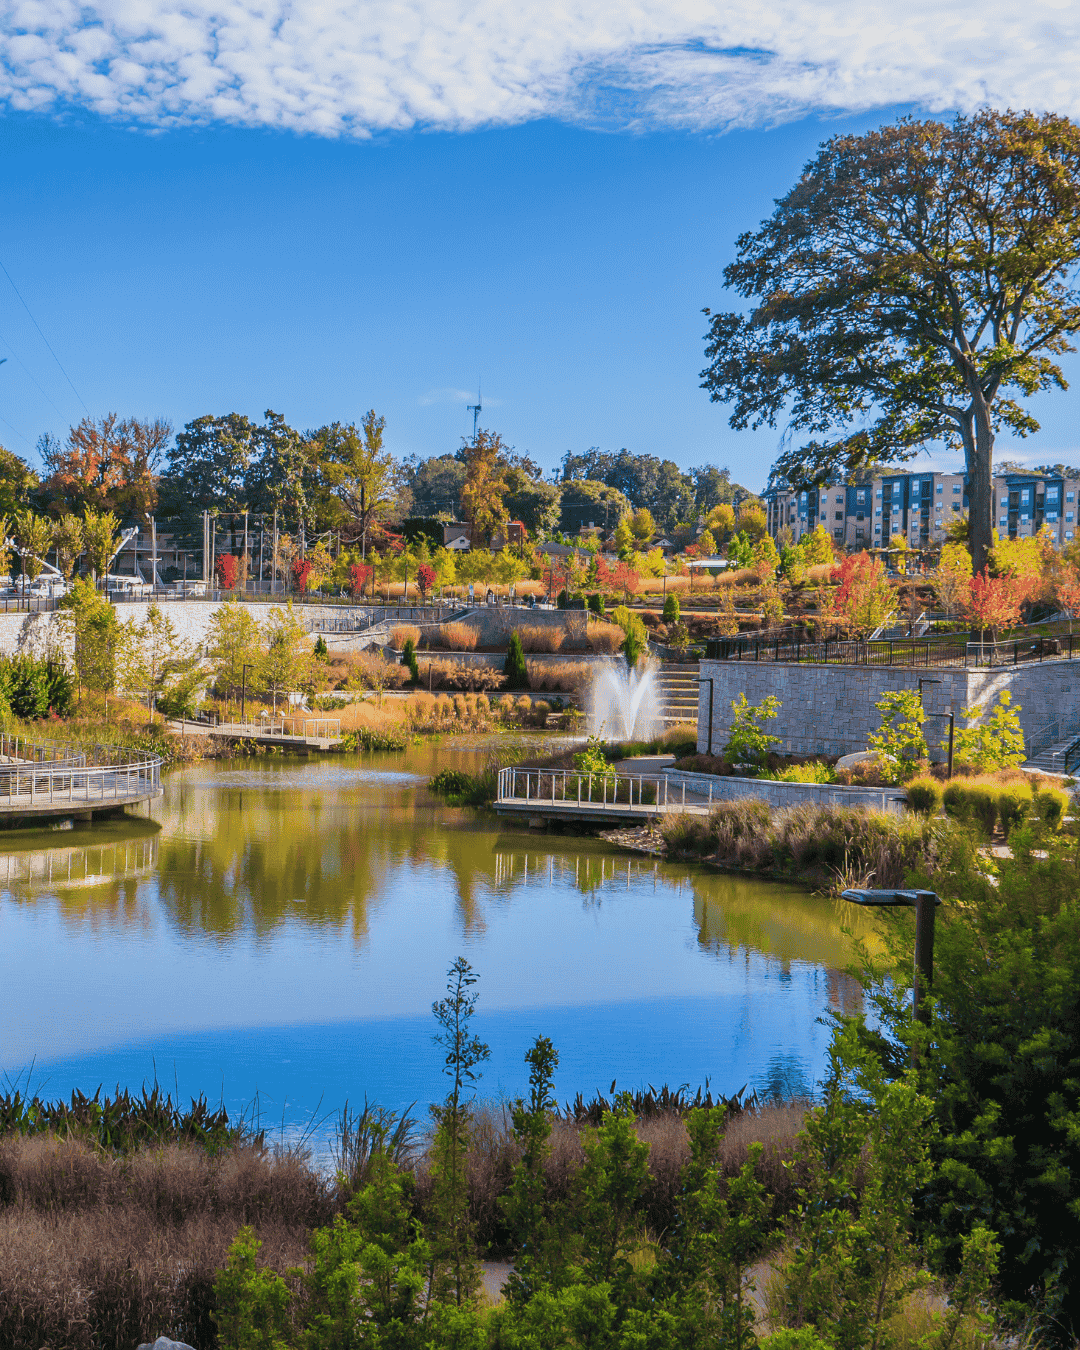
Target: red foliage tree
(360, 574)
(301, 570)
(864, 596)
(226, 569)
(994, 602)
(426, 577)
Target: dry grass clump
(493, 1152)
(402, 633)
(97, 1251)
(458, 637)
(606, 637)
(539, 638)
(840, 846)
(569, 677)
(527, 588)
(818, 573)
(371, 670)
(369, 716)
(439, 674)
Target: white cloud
(333, 67)
(463, 396)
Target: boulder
(861, 757)
(163, 1343)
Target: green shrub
(671, 608)
(955, 800)
(515, 670)
(925, 796)
(998, 743)
(320, 650)
(596, 604)
(1013, 804)
(251, 1305)
(408, 658)
(983, 807)
(35, 686)
(812, 772)
(636, 642)
(748, 741)
(1050, 806)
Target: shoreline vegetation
(652, 1219)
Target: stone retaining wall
(830, 709)
(788, 794)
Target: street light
(950, 715)
(925, 904)
(243, 690)
(707, 680)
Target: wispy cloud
(339, 67)
(466, 397)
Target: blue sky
(206, 216)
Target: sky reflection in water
(286, 929)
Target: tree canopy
(916, 284)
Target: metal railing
(895, 652)
(633, 792)
(317, 728)
(42, 773)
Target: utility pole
(475, 408)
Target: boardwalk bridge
(45, 780)
(541, 795)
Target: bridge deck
(259, 734)
(42, 780)
(566, 794)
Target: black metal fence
(895, 652)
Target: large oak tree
(917, 284)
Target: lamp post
(925, 904)
(707, 680)
(243, 689)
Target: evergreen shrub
(925, 796)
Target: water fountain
(624, 705)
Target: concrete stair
(677, 692)
(1052, 759)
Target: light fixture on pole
(925, 904)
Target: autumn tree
(994, 602)
(363, 475)
(642, 525)
(485, 484)
(287, 658)
(107, 463)
(864, 596)
(17, 482)
(953, 578)
(1068, 594)
(915, 285)
(68, 539)
(99, 539)
(33, 538)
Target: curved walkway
(47, 780)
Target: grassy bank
(101, 1249)
(828, 846)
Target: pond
(274, 931)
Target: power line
(16, 431)
(43, 338)
(30, 377)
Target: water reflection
(303, 914)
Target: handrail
(22, 749)
(578, 789)
(894, 651)
(33, 774)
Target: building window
(878, 511)
(879, 495)
(1068, 515)
(859, 534)
(824, 516)
(839, 515)
(839, 534)
(877, 529)
(1069, 496)
(940, 488)
(1051, 494)
(956, 487)
(956, 506)
(1068, 534)
(1051, 515)
(896, 508)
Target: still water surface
(276, 931)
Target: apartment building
(919, 506)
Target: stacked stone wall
(830, 709)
